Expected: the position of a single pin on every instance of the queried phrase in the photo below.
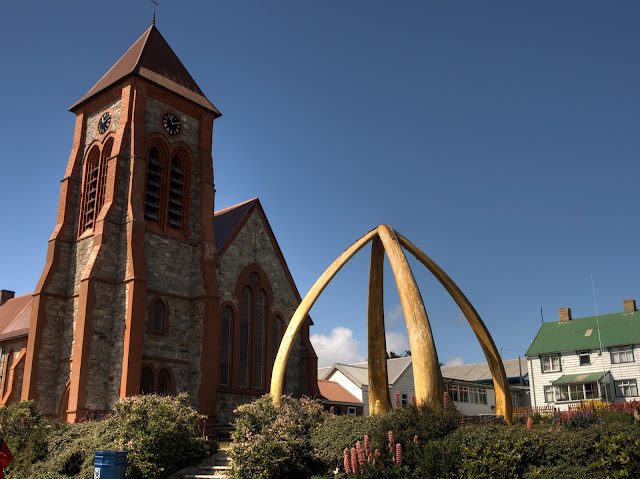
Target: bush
(274, 442)
(160, 435)
(619, 455)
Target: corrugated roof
(324, 372)
(152, 58)
(15, 316)
(480, 371)
(579, 378)
(616, 329)
(334, 392)
(358, 373)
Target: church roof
(152, 58)
(230, 220)
(15, 316)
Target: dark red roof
(333, 392)
(229, 220)
(152, 58)
(15, 316)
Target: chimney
(565, 315)
(6, 295)
(629, 305)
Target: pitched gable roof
(228, 222)
(480, 372)
(15, 316)
(616, 329)
(333, 392)
(358, 373)
(152, 58)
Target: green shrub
(160, 435)
(619, 455)
(274, 442)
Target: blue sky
(500, 137)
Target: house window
(482, 396)
(550, 363)
(575, 392)
(463, 393)
(351, 411)
(626, 388)
(404, 400)
(226, 338)
(146, 381)
(622, 354)
(548, 394)
(453, 392)
(584, 358)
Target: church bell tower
(129, 296)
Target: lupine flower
(397, 399)
(367, 451)
(462, 421)
(360, 453)
(332, 410)
(414, 401)
(347, 464)
(354, 462)
(446, 400)
(392, 443)
(415, 439)
(399, 454)
(529, 423)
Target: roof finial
(155, 3)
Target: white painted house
(470, 386)
(596, 357)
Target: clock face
(104, 122)
(171, 123)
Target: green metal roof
(579, 378)
(616, 329)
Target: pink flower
(399, 454)
(414, 401)
(347, 465)
(360, 453)
(354, 461)
(446, 400)
(392, 443)
(415, 439)
(367, 451)
(397, 398)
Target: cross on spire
(155, 3)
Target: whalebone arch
(429, 386)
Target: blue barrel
(109, 464)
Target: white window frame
(351, 410)
(463, 393)
(550, 367)
(549, 394)
(621, 354)
(453, 392)
(482, 396)
(574, 392)
(473, 395)
(626, 388)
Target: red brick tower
(132, 255)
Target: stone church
(145, 287)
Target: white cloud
(394, 315)
(338, 347)
(397, 342)
(454, 361)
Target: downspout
(532, 388)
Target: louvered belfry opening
(93, 186)
(176, 192)
(154, 187)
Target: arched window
(261, 307)
(164, 382)
(277, 335)
(154, 187)
(246, 319)
(158, 319)
(102, 176)
(176, 193)
(93, 186)
(146, 380)
(226, 338)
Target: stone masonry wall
(253, 245)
